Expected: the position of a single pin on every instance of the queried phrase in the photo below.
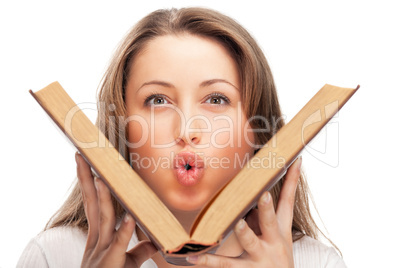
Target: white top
(64, 246)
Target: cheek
(249, 138)
(138, 132)
(162, 131)
(232, 132)
(151, 131)
(233, 144)
(223, 134)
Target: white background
(356, 184)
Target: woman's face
(187, 132)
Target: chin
(185, 207)
(186, 204)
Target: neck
(186, 219)
(230, 247)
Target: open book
(232, 202)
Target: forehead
(184, 55)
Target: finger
(215, 261)
(247, 238)
(287, 196)
(107, 218)
(90, 199)
(267, 218)
(252, 221)
(141, 252)
(122, 237)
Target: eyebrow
(213, 81)
(156, 82)
(202, 84)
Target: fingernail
(240, 225)
(192, 258)
(96, 183)
(299, 162)
(127, 218)
(266, 197)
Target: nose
(190, 131)
(192, 139)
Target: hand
(273, 248)
(105, 246)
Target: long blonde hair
(258, 95)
